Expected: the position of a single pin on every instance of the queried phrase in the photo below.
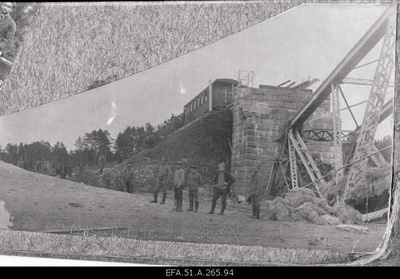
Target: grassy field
(40, 203)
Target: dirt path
(39, 203)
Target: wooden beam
(85, 230)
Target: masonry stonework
(259, 119)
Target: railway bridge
(279, 127)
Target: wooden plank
(85, 230)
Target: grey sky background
(307, 41)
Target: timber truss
(291, 145)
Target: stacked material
(372, 183)
(303, 205)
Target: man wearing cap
(20, 163)
(256, 193)
(222, 181)
(162, 182)
(194, 180)
(128, 178)
(102, 163)
(179, 180)
(63, 171)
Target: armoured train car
(215, 96)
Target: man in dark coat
(179, 183)
(128, 178)
(256, 193)
(63, 171)
(222, 182)
(7, 32)
(20, 163)
(162, 181)
(38, 167)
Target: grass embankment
(203, 142)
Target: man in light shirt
(102, 163)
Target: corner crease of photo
(298, 111)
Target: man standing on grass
(52, 169)
(256, 193)
(128, 178)
(63, 171)
(45, 167)
(194, 180)
(20, 163)
(7, 32)
(222, 182)
(179, 183)
(102, 163)
(162, 182)
(38, 167)
(69, 168)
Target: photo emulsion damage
(129, 135)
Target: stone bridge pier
(259, 117)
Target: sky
(305, 42)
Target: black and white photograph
(214, 134)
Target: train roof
(226, 80)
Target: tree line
(90, 146)
(38, 151)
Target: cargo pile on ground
(370, 190)
(372, 183)
(303, 205)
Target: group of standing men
(46, 167)
(222, 187)
(193, 180)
